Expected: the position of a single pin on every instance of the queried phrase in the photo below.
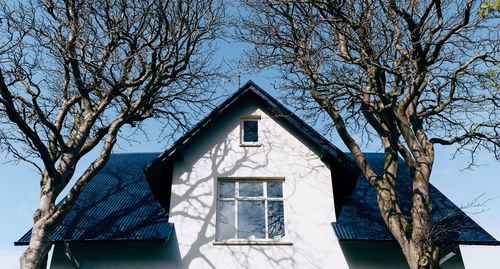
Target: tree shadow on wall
(193, 206)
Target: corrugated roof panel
(360, 219)
(344, 231)
(117, 204)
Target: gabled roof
(159, 171)
(251, 89)
(360, 218)
(117, 204)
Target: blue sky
(19, 183)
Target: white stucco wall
(309, 207)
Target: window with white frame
(250, 210)
(250, 130)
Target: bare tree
(412, 73)
(73, 73)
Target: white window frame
(256, 241)
(244, 118)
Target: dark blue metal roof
(117, 204)
(360, 217)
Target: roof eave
(25, 243)
(163, 238)
(458, 242)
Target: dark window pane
(251, 189)
(226, 189)
(226, 220)
(275, 220)
(274, 190)
(250, 131)
(251, 219)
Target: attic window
(250, 130)
(250, 210)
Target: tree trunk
(35, 257)
(422, 252)
(422, 255)
(36, 254)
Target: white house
(251, 186)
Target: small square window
(250, 130)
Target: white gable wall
(307, 189)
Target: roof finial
(239, 76)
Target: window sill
(251, 145)
(252, 243)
